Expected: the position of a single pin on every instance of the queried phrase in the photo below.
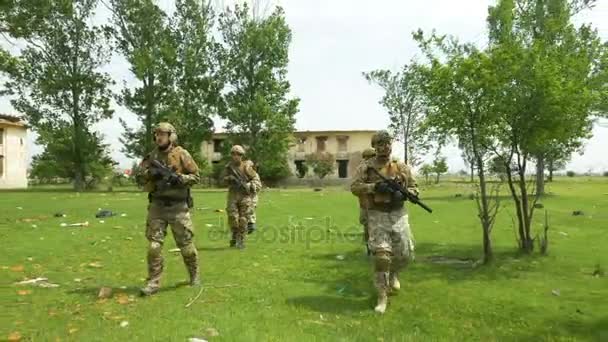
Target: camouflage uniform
(390, 238)
(253, 217)
(251, 227)
(366, 155)
(239, 206)
(169, 205)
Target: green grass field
(290, 285)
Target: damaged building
(345, 146)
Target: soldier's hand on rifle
(250, 187)
(230, 178)
(155, 173)
(398, 196)
(174, 179)
(383, 188)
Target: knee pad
(382, 261)
(188, 250)
(155, 248)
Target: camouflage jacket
(365, 180)
(177, 159)
(251, 179)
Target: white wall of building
(13, 146)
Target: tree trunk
(527, 243)
(551, 167)
(149, 116)
(484, 215)
(540, 176)
(472, 173)
(437, 179)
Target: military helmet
(381, 137)
(238, 149)
(166, 127)
(368, 153)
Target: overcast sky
(335, 40)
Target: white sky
(334, 41)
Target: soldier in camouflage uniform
(244, 183)
(169, 204)
(251, 227)
(390, 238)
(367, 154)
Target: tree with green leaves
(142, 35)
(552, 77)
(194, 72)
(59, 85)
(321, 163)
(403, 100)
(259, 113)
(56, 160)
(426, 170)
(459, 90)
(440, 166)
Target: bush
(605, 173)
(570, 174)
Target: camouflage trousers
(391, 243)
(239, 208)
(363, 220)
(178, 217)
(254, 204)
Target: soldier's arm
(360, 186)
(410, 181)
(191, 176)
(255, 182)
(142, 174)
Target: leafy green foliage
(426, 170)
(56, 161)
(256, 106)
(321, 163)
(194, 72)
(58, 83)
(403, 99)
(440, 166)
(142, 35)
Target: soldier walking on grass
(244, 183)
(167, 173)
(390, 238)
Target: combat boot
(233, 240)
(195, 281)
(149, 290)
(382, 301)
(394, 282)
(240, 240)
(250, 227)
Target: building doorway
(343, 168)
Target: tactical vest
(378, 201)
(172, 159)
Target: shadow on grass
(92, 292)
(331, 304)
(575, 329)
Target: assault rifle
(396, 187)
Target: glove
(155, 173)
(174, 179)
(398, 196)
(383, 188)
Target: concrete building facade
(345, 146)
(13, 153)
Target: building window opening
(343, 168)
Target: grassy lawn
(304, 276)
